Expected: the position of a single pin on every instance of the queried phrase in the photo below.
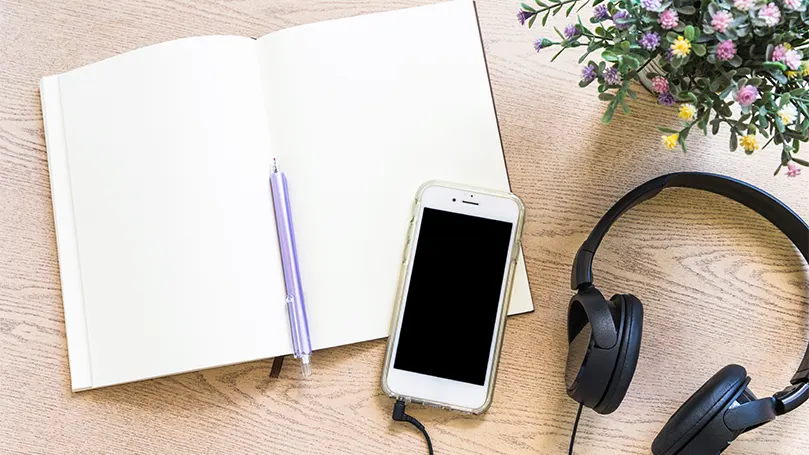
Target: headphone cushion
(632, 310)
(695, 413)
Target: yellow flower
(687, 112)
(681, 47)
(805, 69)
(670, 142)
(749, 143)
(787, 46)
(791, 74)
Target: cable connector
(399, 415)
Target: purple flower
(721, 21)
(660, 85)
(726, 50)
(539, 44)
(620, 19)
(651, 5)
(611, 76)
(669, 19)
(649, 41)
(600, 12)
(669, 55)
(779, 53)
(793, 170)
(588, 74)
(523, 16)
(666, 99)
(770, 14)
(571, 31)
(747, 95)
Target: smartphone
(451, 305)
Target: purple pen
(298, 322)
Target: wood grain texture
(719, 283)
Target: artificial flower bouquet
(704, 57)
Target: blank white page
(362, 111)
(168, 156)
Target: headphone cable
(400, 416)
(575, 427)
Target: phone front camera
(453, 199)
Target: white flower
(788, 114)
(793, 4)
(793, 59)
(743, 5)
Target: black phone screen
(451, 306)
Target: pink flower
(793, 170)
(779, 53)
(747, 95)
(721, 21)
(660, 85)
(726, 50)
(793, 59)
(743, 5)
(770, 14)
(793, 4)
(669, 19)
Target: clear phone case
(504, 309)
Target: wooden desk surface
(720, 284)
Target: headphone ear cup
(700, 409)
(631, 309)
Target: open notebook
(160, 160)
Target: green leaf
(534, 18)
(608, 114)
(632, 95)
(671, 37)
(699, 49)
(545, 18)
(734, 142)
(609, 56)
(606, 97)
(528, 8)
(625, 46)
(785, 98)
(667, 130)
(714, 127)
(687, 10)
(779, 124)
(570, 9)
(625, 107)
(774, 66)
(689, 32)
(632, 62)
(800, 161)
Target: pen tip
(274, 165)
(306, 365)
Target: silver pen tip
(306, 365)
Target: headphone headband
(756, 199)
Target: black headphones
(605, 336)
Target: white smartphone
(454, 289)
